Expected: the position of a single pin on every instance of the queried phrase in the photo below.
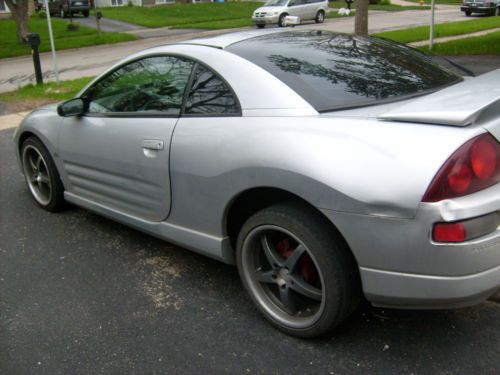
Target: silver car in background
(327, 167)
(275, 11)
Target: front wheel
(281, 20)
(297, 269)
(85, 13)
(468, 14)
(41, 175)
(320, 17)
(261, 25)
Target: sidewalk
(454, 37)
(12, 120)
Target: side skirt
(218, 248)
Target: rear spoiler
(475, 101)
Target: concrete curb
(12, 120)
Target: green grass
(63, 39)
(205, 15)
(384, 5)
(415, 34)
(478, 45)
(49, 91)
(451, 2)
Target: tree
(19, 11)
(361, 18)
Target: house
(4, 9)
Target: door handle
(152, 144)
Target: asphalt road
(80, 294)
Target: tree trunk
(19, 11)
(361, 18)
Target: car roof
(225, 40)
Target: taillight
(473, 167)
(465, 230)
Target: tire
(468, 13)
(320, 17)
(85, 13)
(41, 175)
(261, 25)
(297, 269)
(281, 20)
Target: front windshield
(276, 3)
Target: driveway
(92, 60)
(80, 294)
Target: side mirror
(72, 107)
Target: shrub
(42, 14)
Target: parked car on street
(327, 167)
(275, 11)
(65, 8)
(489, 7)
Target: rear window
(337, 71)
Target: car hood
(474, 101)
(269, 9)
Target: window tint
(153, 84)
(210, 95)
(334, 71)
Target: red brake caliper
(306, 266)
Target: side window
(152, 84)
(210, 95)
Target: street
(80, 294)
(93, 60)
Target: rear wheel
(468, 13)
(85, 13)
(320, 16)
(297, 270)
(41, 175)
(281, 20)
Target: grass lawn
(478, 45)
(49, 91)
(444, 29)
(205, 15)
(451, 2)
(383, 5)
(208, 15)
(63, 38)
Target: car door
(117, 154)
(299, 8)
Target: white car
(275, 11)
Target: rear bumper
(75, 9)
(401, 266)
(394, 289)
(481, 10)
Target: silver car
(327, 167)
(275, 11)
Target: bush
(384, 2)
(42, 14)
(73, 26)
(373, 2)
